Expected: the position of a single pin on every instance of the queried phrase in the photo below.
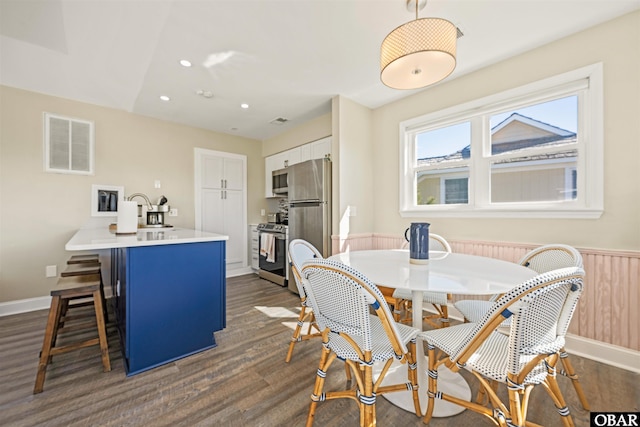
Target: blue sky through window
(561, 113)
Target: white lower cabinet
(254, 245)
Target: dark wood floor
(242, 382)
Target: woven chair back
(438, 243)
(552, 257)
(299, 252)
(341, 297)
(540, 310)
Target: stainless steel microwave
(279, 181)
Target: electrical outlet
(173, 212)
(156, 184)
(262, 213)
(51, 271)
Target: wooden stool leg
(104, 300)
(102, 334)
(49, 338)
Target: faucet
(143, 196)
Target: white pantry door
(221, 194)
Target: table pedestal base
(448, 382)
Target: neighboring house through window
(533, 151)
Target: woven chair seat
(473, 310)
(428, 297)
(491, 359)
(381, 348)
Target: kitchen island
(169, 290)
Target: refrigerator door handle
(297, 203)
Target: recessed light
(245, 106)
(165, 98)
(185, 63)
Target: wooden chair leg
(432, 383)
(551, 384)
(569, 372)
(49, 339)
(412, 374)
(367, 399)
(444, 321)
(319, 384)
(296, 333)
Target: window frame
(585, 82)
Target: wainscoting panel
(608, 309)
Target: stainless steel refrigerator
(310, 205)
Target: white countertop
(103, 238)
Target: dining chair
(522, 355)
(341, 298)
(299, 252)
(401, 298)
(542, 259)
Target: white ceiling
(285, 58)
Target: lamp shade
(418, 53)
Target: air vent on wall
(69, 145)
(279, 121)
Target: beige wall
(40, 211)
(617, 45)
(353, 168)
(310, 131)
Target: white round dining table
(445, 272)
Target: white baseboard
(24, 305)
(617, 356)
(239, 271)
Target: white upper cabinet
(320, 148)
(313, 150)
(305, 152)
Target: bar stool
(72, 287)
(83, 259)
(81, 269)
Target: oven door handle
(278, 236)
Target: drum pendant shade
(418, 53)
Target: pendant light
(418, 53)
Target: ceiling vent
(279, 121)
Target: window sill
(458, 212)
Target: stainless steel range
(273, 242)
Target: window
(534, 151)
(68, 145)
